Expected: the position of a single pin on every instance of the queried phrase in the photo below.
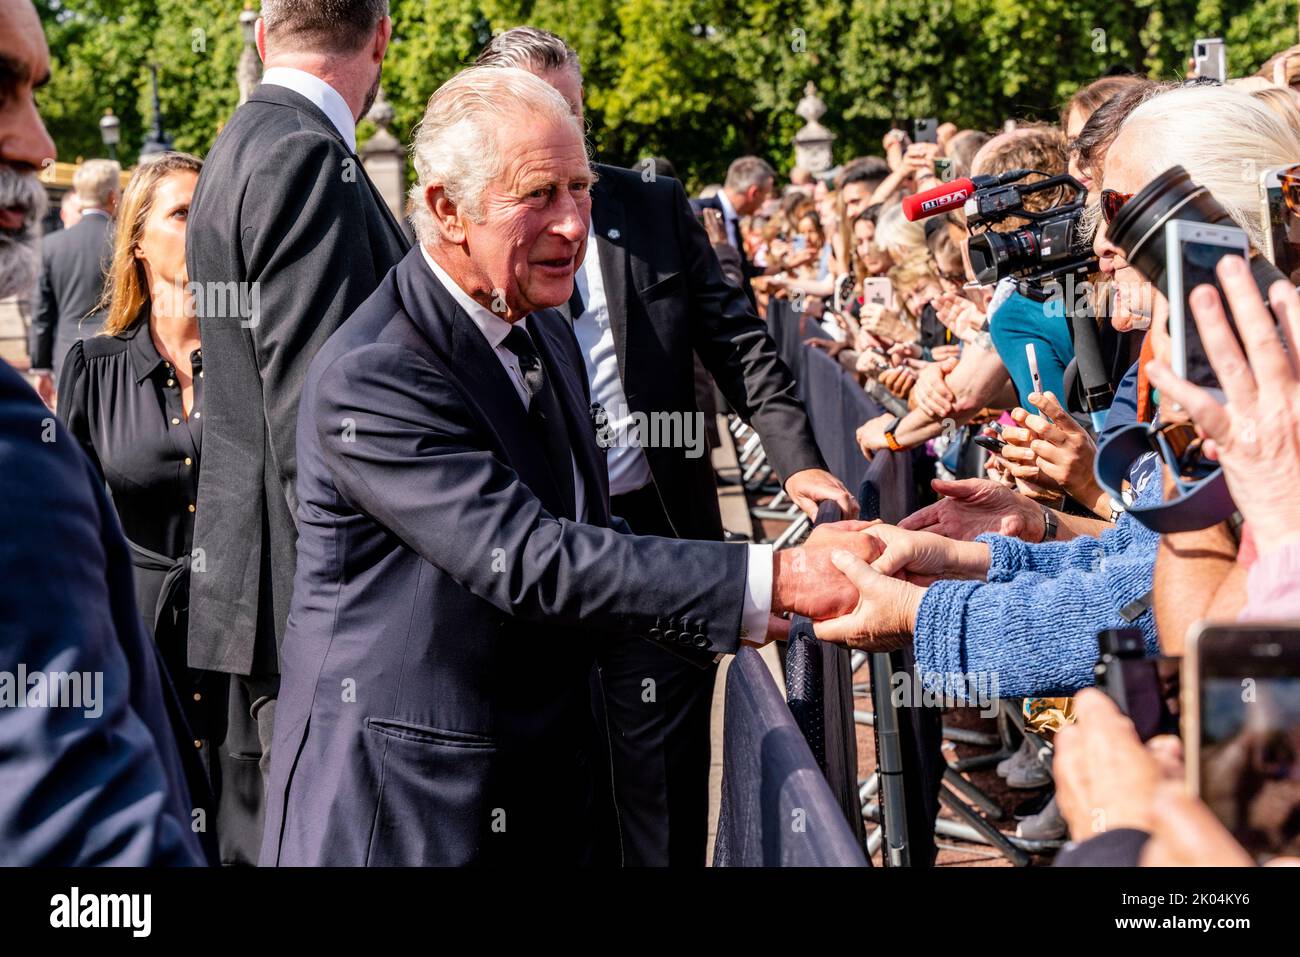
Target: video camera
(1050, 246)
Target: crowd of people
(351, 513)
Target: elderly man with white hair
(455, 561)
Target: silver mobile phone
(1210, 57)
(1194, 250)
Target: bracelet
(1051, 526)
(889, 435)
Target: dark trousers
(656, 706)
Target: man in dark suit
(749, 184)
(89, 773)
(456, 565)
(74, 262)
(650, 296)
(285, 216)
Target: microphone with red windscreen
(952, 195)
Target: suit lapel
(615, 271)
(476, 366)
(566, 382)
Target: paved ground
(952, 853)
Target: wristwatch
(1050, 525)
(889, 435)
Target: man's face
(24, 144)
(754, 197)
(568, 85)
(855, 198)
(535, 217)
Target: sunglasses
(1290, 180)
(1112, 201)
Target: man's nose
(572, 220)
(23, 139)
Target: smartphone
(1194, 250)
(878, 290)
(990, 443)
(1282, 227)
(1033, 367)
(1145, 689)
(942, 169)
(1241, 731)
(798, 244)
(925, 130)
(1210, 58)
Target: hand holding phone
(1033, 367)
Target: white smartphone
(878, 290)
(1210, 58)
(1194, 250)
(1033, 367)
(1240, 711)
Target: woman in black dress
(133, 397)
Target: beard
(20, 251)
(374, 92)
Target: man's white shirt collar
(728, 211)
(494, 328)
(323, 96)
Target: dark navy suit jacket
(435, 699)
(76, 789)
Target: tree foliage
(698, 81)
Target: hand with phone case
(1256, 435)
(1058, 448)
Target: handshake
(862, 582)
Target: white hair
(96, 180)
(896, 234)
(1223, 137)
(456, 145)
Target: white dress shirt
(323, 96)
(730, 219)
(495, 329)
(629, 469)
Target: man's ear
(383, 34)
(261, 38)
(446, 214)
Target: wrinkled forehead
(548, 153)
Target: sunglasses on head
(1112, 201)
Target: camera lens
(1139, 227)
(995, 255)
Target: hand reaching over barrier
(973, 507)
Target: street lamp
(110, 128)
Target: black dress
(122, 402)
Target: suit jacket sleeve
(79, 786)
(40, 344)
(416, 460)
(303, 228)
(735, 347)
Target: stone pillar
(250, 64)
(384, 157)
(813, 142)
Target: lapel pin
(613, 234)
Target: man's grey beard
(20, 252)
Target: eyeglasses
(1290, 180)
(1112, 202)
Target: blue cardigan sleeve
(1031, 629)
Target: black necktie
(545, 412)
(576, 306)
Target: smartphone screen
(1248, 733)
(1194, 251)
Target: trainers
(1046, 825)
(1024, 753)
(1028, 774)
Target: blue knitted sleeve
(1032, 628)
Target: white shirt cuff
(758, 594)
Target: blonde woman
(133, 397)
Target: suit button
(656, 634)
(671, 634)
(198, 743)
(701, 641)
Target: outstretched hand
(973, 507)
